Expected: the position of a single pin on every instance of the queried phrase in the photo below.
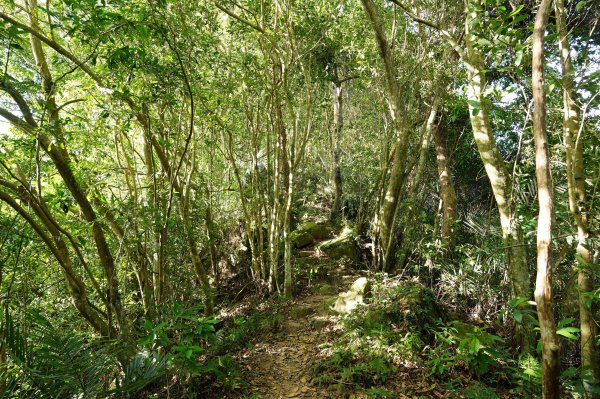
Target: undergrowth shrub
(378, 337)
(464, 346)
(183, 338)
(244, 329)
(48, 362)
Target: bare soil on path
(280, 366)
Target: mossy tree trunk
(495, 166)
(387, 214)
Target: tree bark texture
(338, 126)
(447, 191)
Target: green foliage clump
(465, 346)
(351, 367)
(47, 362)
(406, 306)
(187, 341)
(380, 336)
(244, 329)
(478, 391)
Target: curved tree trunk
(495, 168)
(395, 183)
(407, 240)
(59, 249)
(60, 158)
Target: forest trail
(280, 365)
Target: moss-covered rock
(301, 239)
(319, 231)
(343, 245)
(325, 289)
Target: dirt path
(280, 367)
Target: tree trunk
(276, 211)
(338, 125)
(62, 162)
(287, 215)
(577, 201)
(496, 169)
(543, 285)
(396, 180)
(59, 249)
(407, 240)
(447, 191)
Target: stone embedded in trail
(349, 300)
(344, 245)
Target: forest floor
(283, 362)
(280, 366)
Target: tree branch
(16, 121)
(8, 87)
(240, 19)
(55, 46)
(451, 40)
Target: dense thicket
(160, 160)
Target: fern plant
(52, 364)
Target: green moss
(344, 245)
(319, 231)
(301, 239)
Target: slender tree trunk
(496, 169)
(287, 215)
(276, 207)
(543, 286)
(212, 247)
(407, 240)
(577, 201)
(447, 191)
(338, 125)
(59, 249)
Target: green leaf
(568, 332)
(580, 5)
(568, 373)
(518, 315)
(483, 42)
(519, 57)
(566, 321)
(474, 104)
(516, 11)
